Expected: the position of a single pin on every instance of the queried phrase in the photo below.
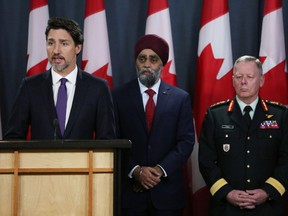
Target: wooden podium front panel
(56, 183)
(6, 194)
(6, 183)
(48, 195)
(103, 194)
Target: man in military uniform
(243, 152)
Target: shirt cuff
(130, 174)
(164, 172)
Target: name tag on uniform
(230, 127)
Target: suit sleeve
(18, 122)
(185, 139)
(105, 124)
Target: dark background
(126, 23)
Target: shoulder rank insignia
(219, 103)
(274, 103)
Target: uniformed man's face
(149, 66)
(247, 81)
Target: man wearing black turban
(157, 118)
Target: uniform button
(248, 138)
(226, 136)
(270, 136)
(248, 166)
(248, 151)
(248, 180)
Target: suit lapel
(48, 93)
(237, 117)
(259, 116)
(79, 98)
(162, 101)
(137, 102)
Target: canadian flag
(272, 53)
(158, 22)
(96, 53)
(37, 60)
(213, 82)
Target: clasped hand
(248, 199)
(148, 177)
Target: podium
(61, 177)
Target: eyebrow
(153, 55)
(61, 40)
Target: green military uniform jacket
(235, 156)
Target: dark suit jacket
(169, 144)
(245, 157)
(91, 112)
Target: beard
(59, 68)
(148, 77)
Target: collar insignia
(231, 106)
(264, 106)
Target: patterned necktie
(150, 108)
(247, 116)
(61, 104)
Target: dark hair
(69, 25)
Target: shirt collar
(71, 77)
(155, 87)
(242, 104)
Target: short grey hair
(247, 58)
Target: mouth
(146, 72)
(244, 89)
(57, 59)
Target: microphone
(55, 124)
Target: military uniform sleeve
(208, 159)
(277, 184)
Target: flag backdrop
(158, 22)
(214, 82)
(37, 60)
(96, 51)
(272, 53)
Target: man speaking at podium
(63, 102)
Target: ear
(262, 80)
(78, 48)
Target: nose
(56, 48)
(243, 80)
(147, 64)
